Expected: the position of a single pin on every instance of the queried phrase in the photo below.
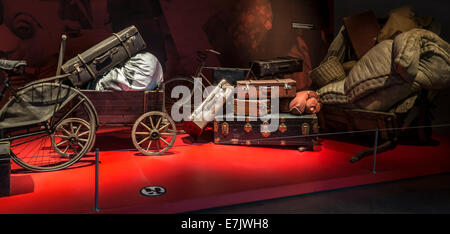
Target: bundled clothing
(142, 72)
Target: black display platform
(5, 169)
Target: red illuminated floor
(204, 176)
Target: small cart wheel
(154, 133)
(71, 137)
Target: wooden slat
(121, 107)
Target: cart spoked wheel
(72, 136)
(154, 133)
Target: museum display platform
(201, 176)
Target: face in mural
(28, 32)
(238, 28)
(32, 31)
(252, 23)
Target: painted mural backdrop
(173, 29)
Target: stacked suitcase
(254, 122)
(105, 55)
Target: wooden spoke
(67, 132)
(61, 136)
(159, 122)
(168, 134)
(78, 129)
(71, 127)
(139, 143)
(142, 133)
(84, 133)
(82, 146)
(162, 139)
(65, 150)
(145, 126)
(149, 145)
(151, 122)
(83, 140)
(61, 143)
(163, 127)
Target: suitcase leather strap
(123, 44)
(87, 66)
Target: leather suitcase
(5, 169)
(293, 130)
(276, 66)
(287, 88)
(255, 108)
(105, 55)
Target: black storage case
(276, 67)
(232, 75)
(293, 130)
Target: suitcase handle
(284, 67)
(108, 55)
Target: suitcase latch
(287, 86)
(248, 127)
(305, 129)
(246, 87)
(282, 128)
(77, 68)
(265, 129)
(225, 129)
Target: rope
(123, 44)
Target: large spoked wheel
(154, 133)
(62, 140)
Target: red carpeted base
(205, 176)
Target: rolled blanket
(371, 73)
(423, 57)
(333, 93)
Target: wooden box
(122, 107)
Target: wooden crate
(123, 108)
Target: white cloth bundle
(142, 72)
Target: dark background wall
(439, 9)
(173, 29)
